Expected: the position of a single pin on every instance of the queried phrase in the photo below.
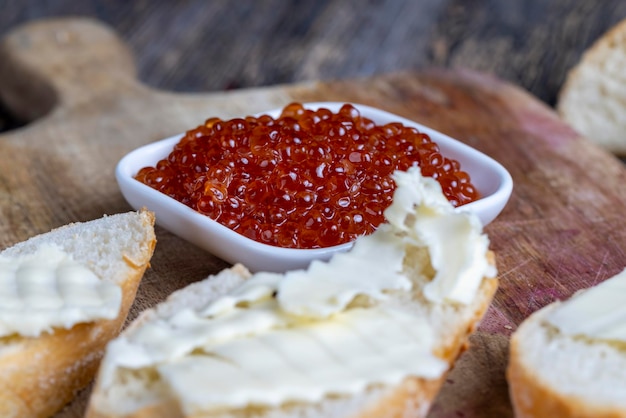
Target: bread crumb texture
(593, 97)
(107, 238)
(586, 373)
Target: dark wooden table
(200, 45)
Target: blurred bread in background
(593, 97)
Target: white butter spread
(598, 313)
(299, 336)
(306, 363)
(454, 238)
(47, 290)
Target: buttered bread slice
(370, 333)
(569, 358)
(63, 295)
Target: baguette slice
(39, 375)
(143, 398)
(593, 97)
(142, 392)
(555, 375)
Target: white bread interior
(38, 376)
(141, 394)
(554, 375)
(593, 97)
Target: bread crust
(38, 376)
(532, 397)
(412, 398)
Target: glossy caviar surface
(307, 179)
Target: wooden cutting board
(561, 231)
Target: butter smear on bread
(49, 289)
(597, 313)
(333, 329)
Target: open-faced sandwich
(63, 296)
(569, 358)
(371, 333)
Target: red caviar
(307, 179)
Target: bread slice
(144, 396)
(593, 97)
(555, 375)
(132, 379)
(39, 375)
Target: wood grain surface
(199, 46)
(561, 231)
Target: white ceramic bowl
(491, 179)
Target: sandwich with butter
(64, 295)
(569, 358)
(370, 333)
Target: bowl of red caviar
(279, 189)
